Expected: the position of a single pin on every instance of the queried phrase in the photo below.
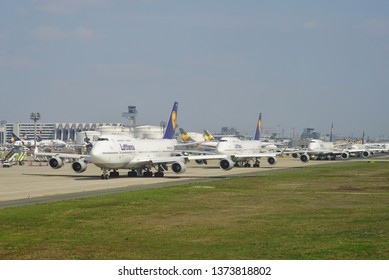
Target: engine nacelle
(365, 154)
(56, 162)
(345, 155)
(304, 158)
(226, 164)
(272, 160)
(201, 161)
(79, 166)
(178, 167)
(295, 155)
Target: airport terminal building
(71, 132)
(49, 131)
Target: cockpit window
(102, 139)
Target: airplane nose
(96, 155)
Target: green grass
(339, 211)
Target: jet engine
(365, 154)
(345, 155)
(79, 166)
(294, 155)
(178, 167)
(272, 160)
(226, 164)
(201, 161)
(56, 162)
(304, 158)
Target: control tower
(131, 116)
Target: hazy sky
(300, 63)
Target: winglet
(257, 135)
(171, 127)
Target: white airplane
(318, 149)
(364, 149)
(50, 143)
(28, 142)
(235, 152)
(114, 152)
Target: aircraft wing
(232, 156)
(157, 160)
(257, 155)
(63, 155)
(209, 144)
(206, 157)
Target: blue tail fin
(332, 132)
(171, 126)
(15, 138)
(39, 137)
(257, 135)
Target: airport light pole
(163, 125)
(35, 117)
(3, 132)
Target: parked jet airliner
(27, 141)
(235, 152)
(113, 152)
(318, 149)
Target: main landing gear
(135, 172)
(247, 164)
(106, 175)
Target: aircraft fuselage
(125, 152)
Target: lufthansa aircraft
(16, 141)
(112, 152)
(28, 142)
(318, 149)
(235, 152)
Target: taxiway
(23, 185)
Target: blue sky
(300, 63)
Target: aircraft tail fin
(363, 137)
(15, 138)
(185, 136)
(332, 132)
(39, 136)
(257, 135)
(172, 124)
(208, 136)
